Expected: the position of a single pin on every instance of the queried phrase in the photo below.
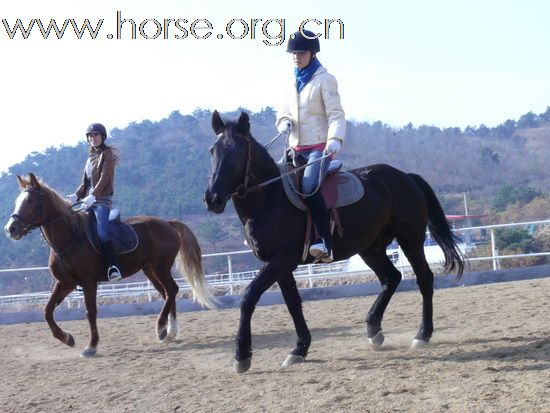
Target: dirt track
(490, 353)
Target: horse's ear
(244, 122)
(217, 123)
(33, 181)
(22, 183)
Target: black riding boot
(113, 272)
(321, 218)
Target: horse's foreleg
(59, 292)
(294, 305)
(90, 299)
(390, 278)
(263, 280)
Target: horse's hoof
(377, 340)
(169, 337)
(69, 340)
(416, 343)
(293, 359)
(162, 334)
(172, 329)
(240, 366)
(88, 352)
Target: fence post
(494, 253)
(310, 273)
(230, 273)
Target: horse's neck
(262, 168)
(58, 230)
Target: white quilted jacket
(316, 113)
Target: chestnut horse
(396, 205)
(74, 262)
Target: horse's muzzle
(13, 230)
(214, 202)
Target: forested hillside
(164, 168)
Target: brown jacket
(99, 174)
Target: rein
(243, 189)
(64, 250)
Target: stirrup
(113, 273)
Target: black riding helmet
(303, 41)
(97, 128)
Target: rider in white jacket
(314, 118)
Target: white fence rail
(228, 281)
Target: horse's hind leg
(414, 251)
(172, 322)
(172, 330)
(294, 304)
(389, 277)
(59, 292)
(162, 280)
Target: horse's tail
(189, 263)
(440, 228)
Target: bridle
(32, 224)
(243, 189)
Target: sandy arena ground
(490, 353)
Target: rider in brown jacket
(96, 190)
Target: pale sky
(432, 62)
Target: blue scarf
(303, 76)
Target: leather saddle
(338, 188)
(122, 235)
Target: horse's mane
(63, 206)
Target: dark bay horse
(396, 205)
(73, 261)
